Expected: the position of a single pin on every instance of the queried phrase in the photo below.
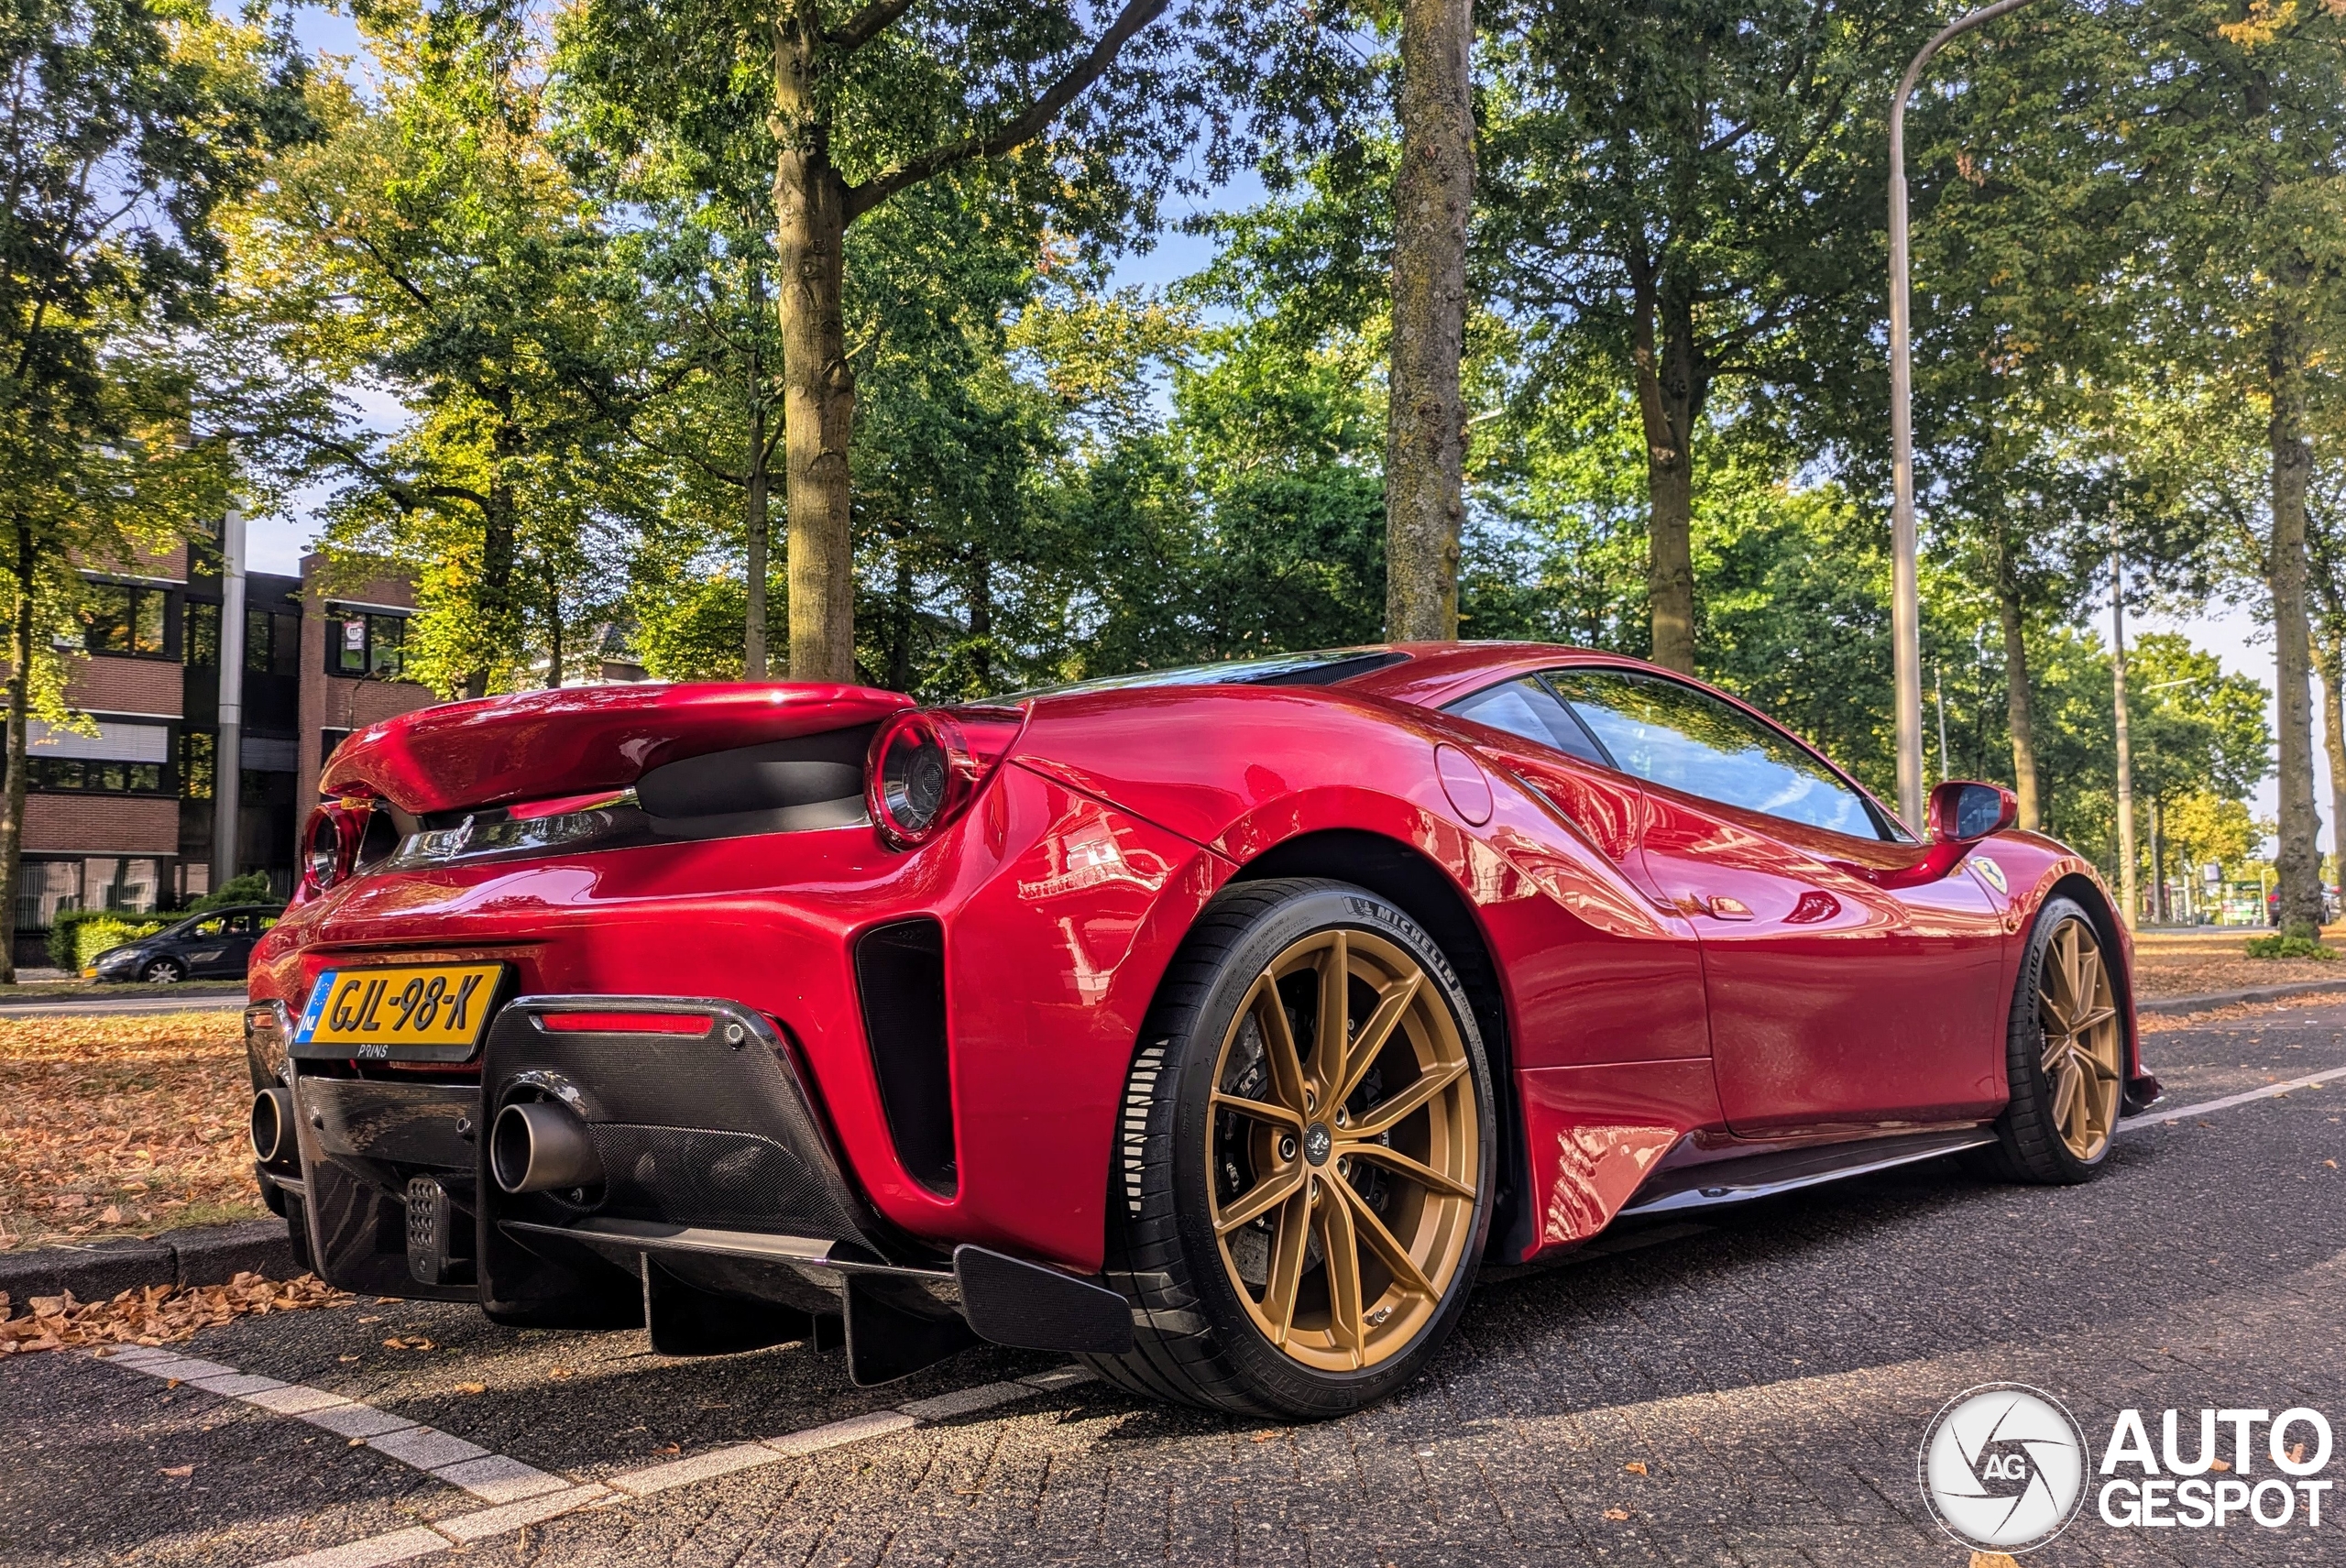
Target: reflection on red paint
(1596, 1170)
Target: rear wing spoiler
(498, 751)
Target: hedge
(80, 935)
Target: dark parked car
(214, 944)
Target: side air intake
(900, 969)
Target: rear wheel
(1303, 1184)
(2065, 1055)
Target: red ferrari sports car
(1214, 1024)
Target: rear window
(1320, 669)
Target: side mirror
(1963, 811)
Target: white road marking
(491, 1478)
(2271, 1091)
(524, 1495)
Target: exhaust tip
(271, 1126)
(536, 1147)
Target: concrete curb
(2170, 1005)
(200, 1255)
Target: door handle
(1719, 906)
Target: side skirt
(1752, 1177)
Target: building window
(124, 619)
(91, 776)
(272, 643)
(196, 748)
(202, 639)
(365, 642)
(127, 884)
(47, 889)
(122, 757)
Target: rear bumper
(722, 1216)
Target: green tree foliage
(127, 127)
(1681, 198)
(431, 248)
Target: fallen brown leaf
(1635, 1467)
(2218, 1466)
(1617, 1513)
(2297, 1453)
(103, 1121)
(472, 1388)
(558, 1372)
(177, 1472)
(1991, 1560)
(158, 1314)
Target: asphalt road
(1752, 1392)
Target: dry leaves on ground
(122, 1125)
(157, 1314)
(2172, 1022)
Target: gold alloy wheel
(2078, 1012)
(1341, 1182)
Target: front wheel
(2065, 1055)
(163, 971)
(1302, 1186)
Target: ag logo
(2003, 1467)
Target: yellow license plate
(373, 1012)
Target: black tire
(2029, 1146)
(1196, 1342)
(163, 971)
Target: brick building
(123, 819)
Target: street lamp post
(1906, 607)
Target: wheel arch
(1411, 881)
(2088, 895)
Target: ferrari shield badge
(1990, 873)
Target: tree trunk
(12, 813)
(2158, 860)
(554, 640)
(2332, 650)
(1425, 432)
(493, 597)
(753, 636)
(818, 387)
(1670, 400)
(2298, 863)
(981, 619)
(2016, 709)
(900, 616)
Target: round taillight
(926, 765)
(330, 843)
(916, 778)
(321, 849)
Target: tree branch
(866, 25)
(1022, 128)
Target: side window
(208, 928)
(1676, 736)
(240, 925)
(1525, 708)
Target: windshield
(1317, 669)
